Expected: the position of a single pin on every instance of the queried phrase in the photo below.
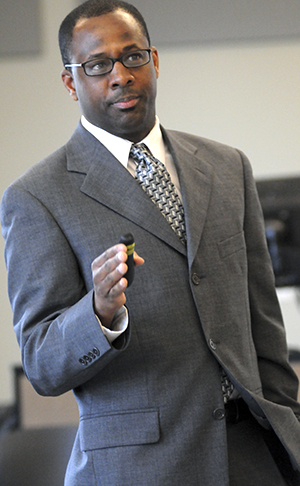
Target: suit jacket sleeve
(56, 328)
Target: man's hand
(109, 285)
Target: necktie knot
(143, 158)
(139, 152)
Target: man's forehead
(120, 18)
(96, 32)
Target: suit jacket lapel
(109, 183)
(195, 176)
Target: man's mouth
(126, 102)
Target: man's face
(121, 102)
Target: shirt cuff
(119, 325)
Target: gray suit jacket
(147, 402)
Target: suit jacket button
(212, 344)
(195, 279)
(219, 414)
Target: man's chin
(130, 122)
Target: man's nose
(120, 75)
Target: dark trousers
(250, 461)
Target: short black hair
(93, 8)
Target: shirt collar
(120, 147)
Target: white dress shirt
(120, 148)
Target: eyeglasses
(104, 65)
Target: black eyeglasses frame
(113, 61)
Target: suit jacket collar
(195, 177)
(108, 182)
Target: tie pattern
(156, 182)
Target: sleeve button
(96, 351)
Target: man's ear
(155, 61)
(68, 80)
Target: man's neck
(120, 147)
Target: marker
(128, 240)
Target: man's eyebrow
(131, 47)
(97, 55)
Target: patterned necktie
(156, 182)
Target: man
(183, 378)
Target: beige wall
(246, 95)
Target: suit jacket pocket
(231, 245)
(119, 429)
